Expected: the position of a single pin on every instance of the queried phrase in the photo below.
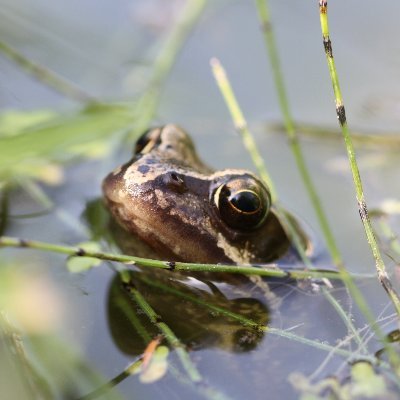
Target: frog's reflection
(199, 314)
(196, 310)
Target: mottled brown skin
(166, 196)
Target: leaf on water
(309, 390)
(15, 122)
(45, 139)
(97, 219)
(157, 366)
(81, 264)
(89, 150)
(366, 382)
(363, 383)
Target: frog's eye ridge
(242, 204)
(148, 140)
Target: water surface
(106, 48)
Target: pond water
(107, 48)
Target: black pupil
(245, 201)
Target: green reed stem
(291, 132)
(37, 194)
(270, 270)
(104, 389)
(270, 43)
(249, 322)
(362, 205)
(264, 15)
(46, 76)
(187, 364)
(13, 347)
(125, 305)
(174, 342)
(147, 104)
(388, 141)
(241, 124)
(4, 207)
(345, 318)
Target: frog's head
(181, 208)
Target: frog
(183, 210)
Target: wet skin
(184, 211)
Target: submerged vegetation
(37, 150)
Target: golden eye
(243, 203)
(148, 141)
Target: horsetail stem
(241, 125)
(264, 16)
(240, 122)
(183, 355)
(270, 270)
(172, 339)
(341, 115)
(147, 104)
(249, 322)
(266, 25)
(47, 76)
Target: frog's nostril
(175, 182)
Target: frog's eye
(148, 141)
(242, 203)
